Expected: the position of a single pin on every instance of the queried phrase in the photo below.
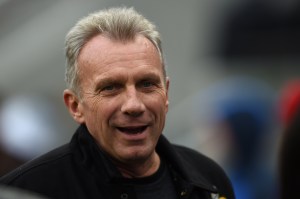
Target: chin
(136, 156)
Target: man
(118, 93)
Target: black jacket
(81, 170)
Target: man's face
(124, 96)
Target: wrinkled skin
(124, 100)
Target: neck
(141, 168)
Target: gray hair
(121, 24)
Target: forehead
(103, 58)
(102, 49)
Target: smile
(132, 130)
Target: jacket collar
(188, 172)
(93, 158)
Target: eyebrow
(147, 75)
(108, 80)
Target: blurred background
(233, 67)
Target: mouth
(132, 130)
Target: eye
(147, 84)
(108, 88)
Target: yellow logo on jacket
(216, 196)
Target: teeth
(132, 130)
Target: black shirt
(159, 185)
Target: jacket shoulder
(198, 164)
(38, 167)
(196, 158)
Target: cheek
(158, 104)
(98, 115)
(94, 112)
(103, 110)
(162, 100)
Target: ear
(74, 106)
(167, 92)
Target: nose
(133, 104)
